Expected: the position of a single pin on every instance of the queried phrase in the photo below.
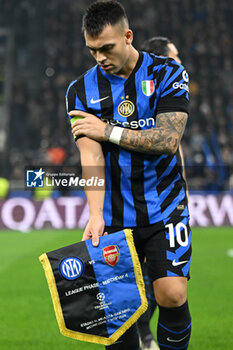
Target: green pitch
(27, 320)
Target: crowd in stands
(50, 52)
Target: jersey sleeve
(73, 102)
(174, 89)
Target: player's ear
(128, 36)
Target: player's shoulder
(175, 71)
(150, 59)
(160, 63)
(75, 84)
(174, 65)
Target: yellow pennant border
(88, 337)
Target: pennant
(97, 292)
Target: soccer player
(160, 46)
(133, 108)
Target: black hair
(157, 45)
(101, 13)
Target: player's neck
(130, 64)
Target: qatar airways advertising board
(72, 212)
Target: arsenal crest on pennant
(111, 255)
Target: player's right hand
(94, 229)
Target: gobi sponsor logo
(126, 108)
(185, 76)
(111, 255)
(71, 268)
(182, 86)
(35, 178)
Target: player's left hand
(94, 230)
(89, 125)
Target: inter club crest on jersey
(148, 87)
(111, 254)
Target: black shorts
(166, 247)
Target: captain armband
(72, 120)
(115, 136)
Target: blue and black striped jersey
(141, 189)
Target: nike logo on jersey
(177, 263)
(101, 99)
(176, 340)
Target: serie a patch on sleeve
(97, 292)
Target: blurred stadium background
(41, 51)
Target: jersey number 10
(183, 241)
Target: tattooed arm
(164, 139)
